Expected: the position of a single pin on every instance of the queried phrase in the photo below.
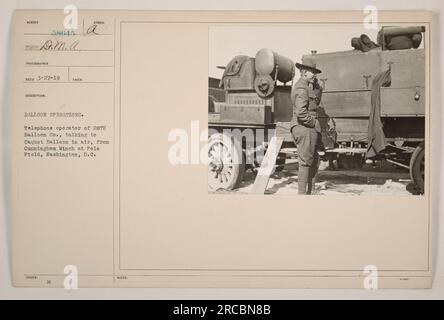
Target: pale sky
(291, 41)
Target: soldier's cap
(308, 65)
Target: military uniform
(306, 132)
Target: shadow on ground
(384, 179)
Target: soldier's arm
(300, 109)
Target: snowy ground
(384, 179)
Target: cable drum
(268, 62)
(270, 67)
(264, 85)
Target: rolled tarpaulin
(398, 31)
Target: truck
(256, 111)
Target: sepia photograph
(317, 109)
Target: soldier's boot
(312, 177)
(303, 177)
(310, 185)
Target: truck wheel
(226, 162)
(417, 167)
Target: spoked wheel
(226, 162)
(417, 165)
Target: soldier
(305, 127)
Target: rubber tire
(415, 167)
(238, 169)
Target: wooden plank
(283, 131)
(401, 101)
(267, 166)
(346, 70)
(347, 104)
(407, 67)
(238, 113)
(213, 117)
(351, 129)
